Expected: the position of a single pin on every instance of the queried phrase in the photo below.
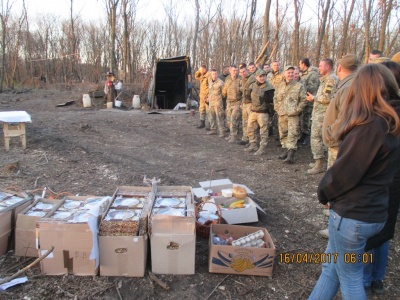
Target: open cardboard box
(234, 216)
(173, 238)
(126, 255)
(227, 259)
(25, 229)
(75, 244)
(8, 216)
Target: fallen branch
(212, 292)
(39, 259)
(159, 281)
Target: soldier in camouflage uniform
(274, 77)
(246, 104)
(262, 94)
(202, 75)
(247, 79)
(233, 95)
(296, 74)
(289, 101)
(327, 87)
(216, 107)
(310, 79)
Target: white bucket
(86, 100)
(136, 101)
(118, 103)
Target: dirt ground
(94, 150)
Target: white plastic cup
(136, 101)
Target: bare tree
(111, 6)
(322, 27)
(253, 6)
(4, 18)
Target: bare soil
(94, 150)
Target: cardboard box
(239, 215)
(225, 259)
(126, 255)
(5, 231)
(173, 238)
(8, 218)
(25, 229)
(234, 216)
(75, 244)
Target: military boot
(290, 156)
(212, 132)
(262, 150)
(311, 165)
(202, 124)
(251, 148)
(320, 166)
(284, 154)
(241, 142)
(232, 139)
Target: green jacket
(262, 95)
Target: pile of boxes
(110, 235)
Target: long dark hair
(372, 86)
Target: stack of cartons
(10, 206)
(173, 232)
(72, 229)
(123, 239)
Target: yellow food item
(241, 264)
(236, 203)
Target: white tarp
(15, 116)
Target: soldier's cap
(288, 67)
(379, 60)
(396, 58)
(349, 61)
(260, 72)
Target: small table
(14, 126)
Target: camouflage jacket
(260, 98)
(203, 78)
(251, 78)
(275, 78)
(290, 98)
(231, 90)
(310, 79)
(326, 90)
(215, 92)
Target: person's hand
(310, 97)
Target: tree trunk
(386, 7)
(346, 24)
(321, 31)
(250, 29)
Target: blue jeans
(347, 239)
(377, 269)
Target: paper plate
(45, 206)
(120, 214)
(171, 212)
(62, 215)
(36, 213)
(71, 204)
(168, 202)
(126, 202)
(93, 202)
(13, 200)
(81, 217)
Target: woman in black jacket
(356, 186)
(378, 245)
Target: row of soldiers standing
(254, 96)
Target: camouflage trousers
(246, 110)
(216, 118)
(233, 115)
(305, 119)
(332, 154)
(289, 131)
(203, 107)
(317, 143)
(258, 120)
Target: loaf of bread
(239, 192)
